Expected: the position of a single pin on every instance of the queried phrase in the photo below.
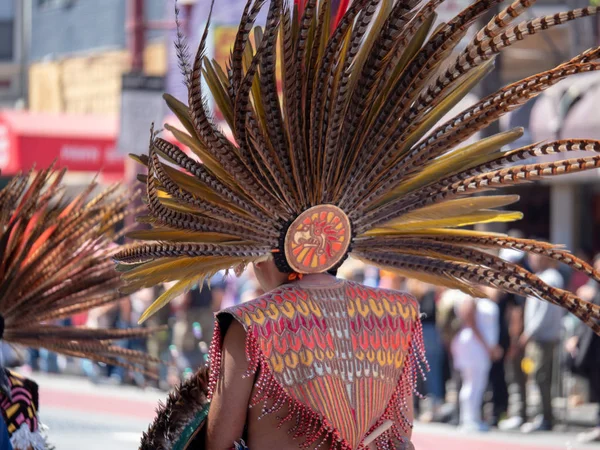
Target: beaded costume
(344, 342)
(55, 261)
(20, 413)
(348, 159)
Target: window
(7, 18)
(6, 39)
(55, 3)
(7, 9)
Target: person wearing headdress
(55, 261)
(348, 160)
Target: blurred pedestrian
(434, 350)
(43, 359)
(157, 344)
(105, 316)
(507, 303)
(450, 325)
(512, 255)
(194, 321)
(371, 276)
(514, 362)
(512, 317)
(540, 338)
(579, 279)
(392, 280)
(584, 349)
(473, 350)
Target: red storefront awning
(79, 143)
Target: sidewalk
(125, 411)
(74, 393)
(582, 416)
(445, 437)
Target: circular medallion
(318, 239)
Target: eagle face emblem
(318, 239)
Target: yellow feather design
(365, 49)
(163, 269)
(483, 216)
(180, 110)
(447, 281)
(205, 157)
(449, 232)
(455, 208)
(163, 234)
(180, 288)
(176, 205)
(460, 159)
(412, 48)
(137, 158)
(190, 276)
(200, 190)
(221, 74)
(448, 103)
(218, 90)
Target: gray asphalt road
(83, 416)
(74, 430)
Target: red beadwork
(214, 355)
(311, 426)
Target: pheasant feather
(356, 131)
(56, 262)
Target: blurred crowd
(484, 344)
(479, 347)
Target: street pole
(24, 15)
(137, 25)
(136, 39)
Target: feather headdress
(350, 157)
(55, 261)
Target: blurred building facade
(565, 210)
(13, 53)
(79, 54)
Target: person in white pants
(473, 349)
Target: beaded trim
(312, 426)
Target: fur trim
(25, 439)
(183, 414)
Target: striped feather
(55, 261)
(357, 126)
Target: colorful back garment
(20, 413)
(342, 358)
(351, 157)
(55, 262)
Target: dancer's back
(346, 352)
(339, 149)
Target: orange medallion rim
(318, 239)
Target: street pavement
(81, 415)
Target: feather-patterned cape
(356, 126)
(55, 261)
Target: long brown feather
(56, 261)
(470, 121)
(477, 274)
(356, 126)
